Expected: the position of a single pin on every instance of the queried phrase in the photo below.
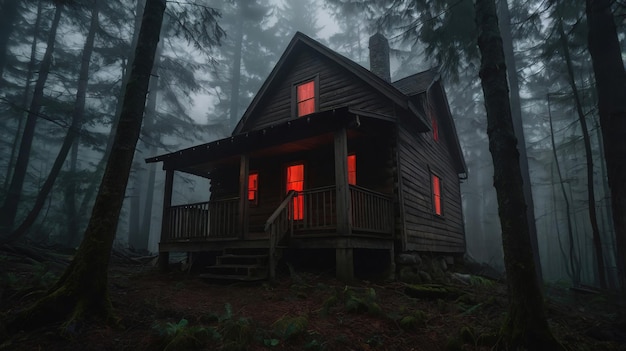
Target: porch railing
(319, 209)
(371, 211)
(279, 224)
(316, 211)
(202, 220)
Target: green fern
(476, 280)
(287, 326)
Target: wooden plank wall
(337, 88)
(419, 155)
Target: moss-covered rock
(432, 291)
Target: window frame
(299, 199)
(255, 201)
(434, 195)
(294, 95)
(348, 167)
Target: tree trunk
(611, 86)
(12, 200)
(72, 133)
(574, 261)
(8, 14)
(82, 290)
(518, 127)
(29, 76)
(591, 198)
(526, 323)
(134, 205)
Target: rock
(407, 275)
(432, 291)
(441, 262)
(425, 277)
(409, 259)
(462, 278)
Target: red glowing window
(295, 181)
(436, 183)
(352, 169)
(253, 187)
(305, 98)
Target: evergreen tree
(246, 57)
(610, 75)
(10, 204)
(82, 290)
(73, 130)
(526, 324)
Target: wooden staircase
(243, 264)
(256, 263)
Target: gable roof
(417, 83)
(301, 41)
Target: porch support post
(344, 211)
(164, 256)
(243, 195)
(344, 264)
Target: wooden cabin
(329, 155)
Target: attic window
(305, 98)
(436, 188)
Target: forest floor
(300, 311)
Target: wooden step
(240, 263)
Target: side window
(305, 98)
(436, 192)
(253, 188)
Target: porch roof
(315, 128)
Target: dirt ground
(300, 311)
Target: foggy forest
(91, 89)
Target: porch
(254, 203)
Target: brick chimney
(379, 56)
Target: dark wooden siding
(337, 88)
(419, 157)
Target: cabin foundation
(344, 264)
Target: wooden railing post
(344, 260)
(243, 195)
(344, 211)
(164, 256)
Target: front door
(295, 181)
